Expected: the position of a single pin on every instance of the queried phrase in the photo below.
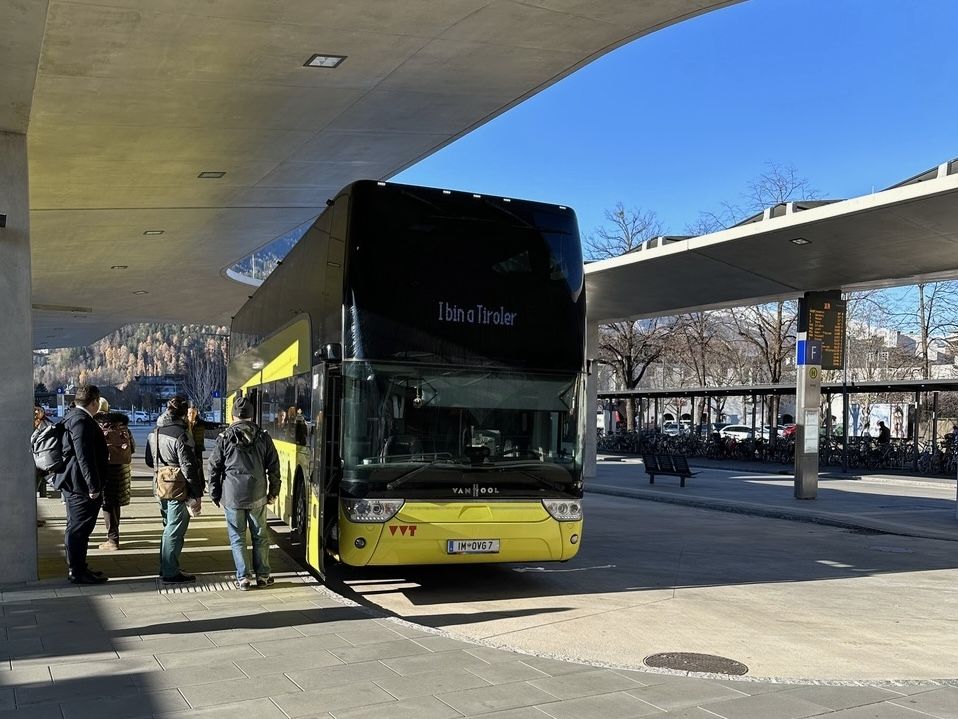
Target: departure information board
(821, 315)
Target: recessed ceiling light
(153, 232)
(327, 61)
(119, 267)
(140, 292)
(210, 175)
(800, 241)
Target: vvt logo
(403, 529)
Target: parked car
(139, 417)
(673, 428)
(736, 431)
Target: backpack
(118, 444)
(47, 443)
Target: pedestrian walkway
(132, 648)
(895, 504)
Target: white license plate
(472, 546)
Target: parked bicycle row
(863, 452)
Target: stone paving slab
(127, 650)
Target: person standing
(81, 481)
(39, 420)
(197, 425)
(244, 476)
(884, 434)
(171, 445)
(116, 489)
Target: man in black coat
(81, 481)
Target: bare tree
(934, 318)
(630, 348)
(697, 342)
(201, 378)
(775, 185)
(770, 331)
(627, 230)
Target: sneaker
(262, 582)
(110, 546)
(244, 584)
(179, 579)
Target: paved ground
(131, 649)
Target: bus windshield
(410, 424)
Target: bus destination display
(822, 318)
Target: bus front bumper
(457, 533)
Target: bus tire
(299, 514)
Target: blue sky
(855, 94)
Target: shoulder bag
(168, 481)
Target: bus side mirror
(333, 352)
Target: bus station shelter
(145, 146)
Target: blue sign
(216, 394)
(59, 390)
(808, 352)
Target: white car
(139, 417)
(736, 431)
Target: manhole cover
(691, 662)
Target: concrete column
(591, 400)
(18, 551)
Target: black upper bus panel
(449, 277)
(398, 273)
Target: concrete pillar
(591, 400)
(18, 551)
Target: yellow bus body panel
(419, 532)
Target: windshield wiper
(406, 476)
(527, 471)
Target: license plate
(472, 546)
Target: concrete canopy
(126, 102)
(902, 235)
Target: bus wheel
(299, 511)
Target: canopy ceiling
(126, 102)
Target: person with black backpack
(80, 479)
(244, 476)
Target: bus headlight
(564, 510)
(371, 510)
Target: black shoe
(179, 579)
(71, 574)
(88, 578)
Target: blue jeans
(236, 522)
(176, 520)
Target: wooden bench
(675, 465)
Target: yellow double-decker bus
(418, 359)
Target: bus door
(326, 467)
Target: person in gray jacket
(175, 450)
(244, 477)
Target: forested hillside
(114, 363)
